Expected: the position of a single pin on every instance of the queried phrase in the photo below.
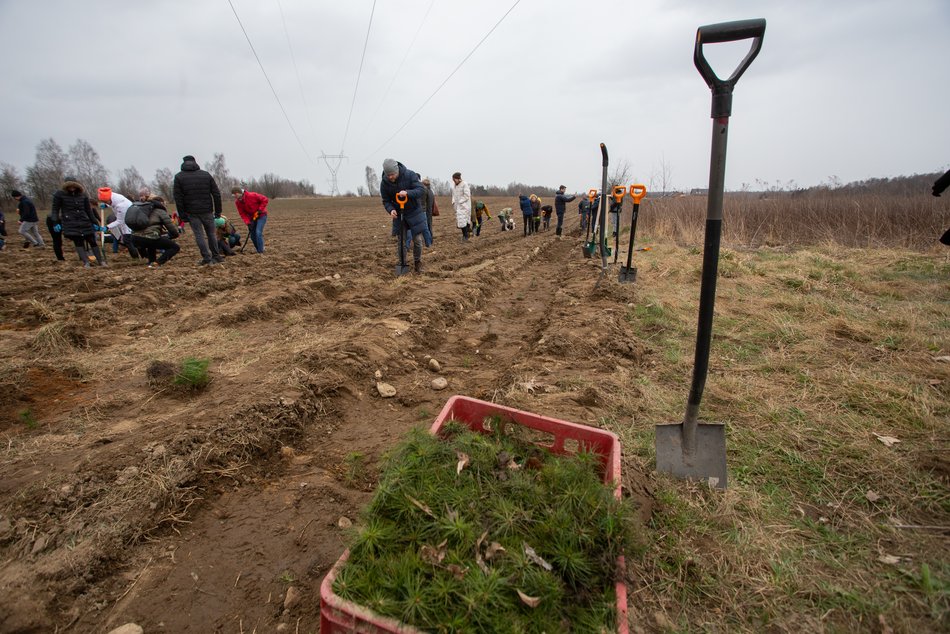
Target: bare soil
(126, 499)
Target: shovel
(402, 268)
(604, 249)
(687, 449)
(618, 194)
(628, 274)
(588, 246)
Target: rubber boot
(96, 252)
(83, 256)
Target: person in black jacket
(198, 200)
(72, 215)
(29, 221)
(939, 186)
(560, 205)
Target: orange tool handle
(591, 195)
(637, 192)
(401, 199)
(618, 193)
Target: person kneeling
(158, 234)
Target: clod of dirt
(588, 398)
(292, 598)
(439, 383)
(385, 390)
(128, 628)
(160, 373)
(434, 365)
(378, 374)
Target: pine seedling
(193, 374)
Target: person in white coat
(119, 230)
(462, 203)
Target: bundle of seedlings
(488, 533)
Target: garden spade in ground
(628, 274)
(618, 193)
(402, 268)
(691, 449)
(604, 249)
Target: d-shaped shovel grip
(591, 195)
(619, 192)
(637, 192)
(401, 200)
(726, 32)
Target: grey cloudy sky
(848, 88)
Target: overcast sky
(853, 89)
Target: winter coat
(413, 214)
(251, 205)
(158, 219)
(560, 202)
(535, 206)
(428, 200)
(228, 229)
(196, 192)
(72, 210)
(120, 205)
(462, 203)
(27, 210)
(525, 203)
(481, 208)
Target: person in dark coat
(560, 205)
(29, 221)
(72, 215)
(526, 213)
(398, 179)
(939, 186)
(198, 200)
(158, 235)
(428, 202)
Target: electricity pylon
(334, 191)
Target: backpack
(137, 216)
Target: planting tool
(628, 274)
(604, 249)
(587, 247)
(246, 239)
(402, 268)
(618, 194)
(690, 449)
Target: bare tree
(163, 183)
(360, 191)
(620, 175)
(85, 165)
(130, 182)
(219, 170)
(661, 180)
(9, 180)
(440, 187)
(45, 176)
(372, 181)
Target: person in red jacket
(253, 209)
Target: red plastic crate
(558, 436)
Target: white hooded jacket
(462, 203)
(120, 205)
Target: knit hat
(390, 166)
(219, 221)
(237, 190)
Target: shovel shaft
(402, 241)
(633, 232)
(603, 211)
(707, 292)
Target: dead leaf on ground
(872, 496)
(433, 554)
(891, 560)
(493, 549)
(425, 509)
(463, 462)
(943, 359)
(533, 556)
(457, 571)
(531, 602)
(889, 441)
(478, 553)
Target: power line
(399, 68)
(293, 59)
(444, 81)
(358, 75)
(292, 129)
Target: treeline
(53, 163)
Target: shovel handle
(726, 32)
(591, 195)
(603, 153)
(618, 193)
(637, 192)
(401, 199)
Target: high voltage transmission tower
(334, 191)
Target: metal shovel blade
(402, 269)
(706, 461)
(588, 249)
(628, 274)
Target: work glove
(256, 214)
(58, 228)
(102, 205)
